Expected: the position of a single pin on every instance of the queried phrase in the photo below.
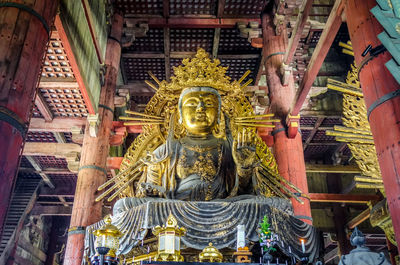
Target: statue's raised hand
(244, 149)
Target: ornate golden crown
(201, 71)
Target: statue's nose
(200, 106)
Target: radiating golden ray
(256, 121)
(142, 114)
(278, 184)
(123, 187)
(270, 185)
(139, 119)
(256, 125)
(351, 130)
(150, 84)
(244, 76)
(255, 116)
(154, 78)
(246, 84)
(142, 123)
(105, 184)
(104, 194)
(285, 181)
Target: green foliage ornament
(267, 240)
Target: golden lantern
(169, 240)
(107, 238)
(210, 254)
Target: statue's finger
(249, 136)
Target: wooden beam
(67, 191)
(221, 8)
(185, 22)
(74, 64)
(217, 34)
(32, 250)
(17, 259)
(145, 55)
(313, 131)
(52, 210)
(323, 128)
(48, 171)
(342, 198)
(50, 149)
(43, 107)
(36, 166)
(321, 113)
(321, 50)
(129, 128)
(62, 200)
(114, 162)
(297, 31)
(364, 215)
(166, 8)
(167, 50)
(41, 202)
(316, 168)
(331, 255)
(324, 143)
(239, 56)
(340, 213)
(58, 84)
(56, 125)
(183, 55)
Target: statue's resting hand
(152, 189)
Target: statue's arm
(153, 173)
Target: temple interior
(219, 119)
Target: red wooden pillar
(24, 33)
(288, 151)
(92, 171)
(377, 83)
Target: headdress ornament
(200, 71)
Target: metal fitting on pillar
(94, 121)
(293, 123)
(286, 73)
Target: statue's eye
(191, 103)
(209, 103)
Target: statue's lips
(201, 117)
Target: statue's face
(199, 112)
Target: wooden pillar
(24, 33)
(92, 171)
(288, 151)
(377, 83)
(392, 251)
(334, 184)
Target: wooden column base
(9, 161)
(75, 246)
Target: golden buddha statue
(200, 158)
(200, 166)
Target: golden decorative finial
(200, 71)
(210, 254)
